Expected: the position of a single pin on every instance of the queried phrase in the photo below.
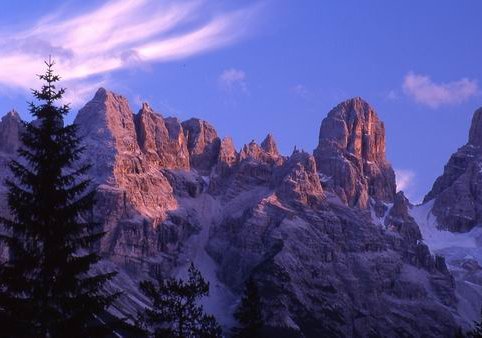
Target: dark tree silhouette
(175, 310)
(46, 289)
(248, 313)
(459, 333)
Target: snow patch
(456, 248)
(221, 301)
(438, 239)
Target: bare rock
(269, 145)
(162, 140)
(11, 126)
(298, 180)
(203, 144)
(227, 162)
(351, 153)
(266, 153)
(399, 219)
(10, 129)
(457, 193)
(171, 193)
(130, 184)
(359, 271)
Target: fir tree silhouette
(249, 313)
(175, 311)
(46, 286)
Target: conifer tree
(175, 308)
(249, 313)
(459, 333)
(46, 289)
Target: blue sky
(253, 67)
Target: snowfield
(463, 255)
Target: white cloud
(423, 90)
(232, 79)
(119, 34)
(79, 92)
(404, 179)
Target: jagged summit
(353, 126)
(351, 152)
(475, 133)
(266, 153)
(161, 139)
(12, 114)
(269, 145)
(10, 128)
(202, 142)
(457, 193)
(146, 106)
(169, 193)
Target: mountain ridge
(312, 229)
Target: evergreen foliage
(175, 308)
(249, 313)
(46, 286)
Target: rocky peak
(146, 107)
(351, 153)
(10, 128)
(161, 139)
(12, 115)
(399, 219)
(354, 127)
(108, 118)
(251, 150)
(146, 121)
(227, 152)
(227, 162)
(475, 133)
(202, 143)
(269, 145)
(456, 194)
(265, 216)
(266, 153)
(298, 180)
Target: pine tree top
(47, 287)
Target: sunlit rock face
(351, 154)
(161, 139)
(302, 225)
(457, 193)
(11, 128)
(133, 194)
(203, 144)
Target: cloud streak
(404, 179)
(119, 34)
(424, 91)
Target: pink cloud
(423, 90)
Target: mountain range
(332, 245)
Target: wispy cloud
(423, 90)
(117, 35)
(404, 178)
(79, 92)
(233, 79)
